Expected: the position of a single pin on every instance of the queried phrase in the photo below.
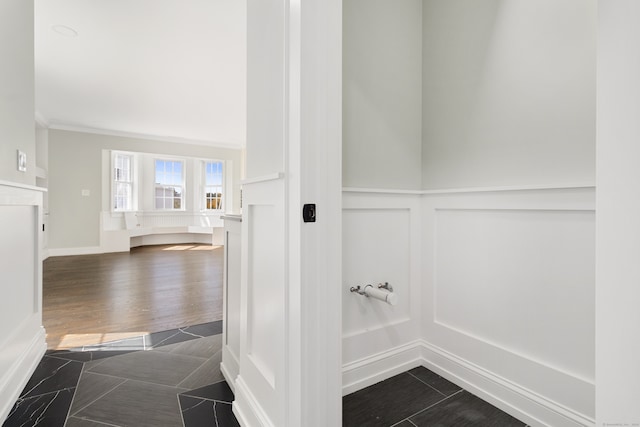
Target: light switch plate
(86, 193)
(22, 161)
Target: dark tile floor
(179, 383)
(420, 398)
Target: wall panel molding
(508, 285)
(262, 290)
(381, 242)
(539, 290)
(22, 338)
(572, 186)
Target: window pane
(159, 166)
(169, 182)
(213, 185)
(122, 186)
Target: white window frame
(205, 187)
(132, 183)
(164, 187)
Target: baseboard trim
(13, 382)
(523, 404)
(378, 367)
(518, 401)
(246, 408)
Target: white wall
(382, 74)
(618, 270)
(75, 164)
(508, 93)
(17, 111)
(265, 90)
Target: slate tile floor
(178, 383)
(420, 398)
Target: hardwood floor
(89, 299)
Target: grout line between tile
(190, 333)
(195, 370)
(73, 397)
(55, 356)
(206, 398)
(99, 397)
(96, 421)
(141, 381)
(428, 385)
(106, 375)
(180, 408)
(97, 362)
(427, 408)
(160, 343)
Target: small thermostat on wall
(22, 161)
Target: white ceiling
(169, 69)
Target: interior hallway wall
(618, 228)
(382, 71)
(501, 282)
(382, 125)
(508, 93)
(509, 276)
(75, 164)
(17, 93)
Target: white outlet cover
(86, 193)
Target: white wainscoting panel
(265, 288)
(381, 243)
(377, 249)
(509, 289)
(230, 365)
(531, 270)
(22, 338)
(260, 382)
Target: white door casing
(290, 325)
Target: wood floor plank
(150, 289)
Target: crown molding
(58, 125)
